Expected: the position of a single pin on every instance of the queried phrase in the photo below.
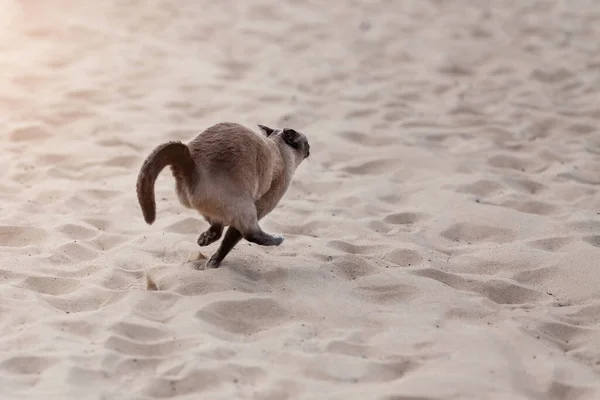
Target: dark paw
(277, 240)
(265, 239)
(212, 263)
(207, 238)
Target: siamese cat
(231, 175)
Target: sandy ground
(442, 242)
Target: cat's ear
(267, 131)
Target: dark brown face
(296, 140)
(291, 137)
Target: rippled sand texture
(442, 242)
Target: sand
(442, 241)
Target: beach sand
(442, 241)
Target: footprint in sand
(483, 187)
(374, 167)
(470, 232)
(244, 317)
(510, 162)
(551, 244)
(326, 368)
(159, 348)
(27, 365)
(404, 257)
(29, 133)
(387, 294)
(21, 236)
(77, 232)
(594, 240)
(530, 207)
(405, 218)
(365, 139)
(498, 291)
(350, 267)
(52, 285)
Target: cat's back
(231, 147)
